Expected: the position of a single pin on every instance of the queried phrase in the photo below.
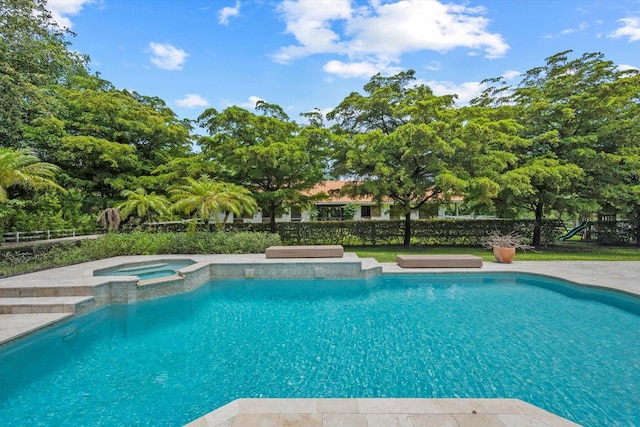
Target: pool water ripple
(169, 361)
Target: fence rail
(28, 236)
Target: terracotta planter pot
(504, 255)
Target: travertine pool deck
(379, 413)
(79, 281)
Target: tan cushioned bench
(439, 261)
(313, 251)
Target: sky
(307, 54)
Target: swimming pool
(147, 270)
(569, 350)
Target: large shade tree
(109, 140)
(277, 159)
(34, 57)
(578, 121)
(402, 142)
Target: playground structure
(581, 227)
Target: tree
(399, 143)
(21, 168)
(109, 140)
(34, 56)
(575, 117)
(208, 198)
(109, 219)
(380, 108)
(274, 157)
(143, 204)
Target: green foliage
(424, 232)
(20, 167)
(34, 56)
(349, 211)
(578, 117)
(144, 205)
(136, 243)
(208, 199)
(275, 158)
(401, 142)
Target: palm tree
(20, 167)
(143, 204)
(110, 219)
(208, 198)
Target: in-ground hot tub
(147, 270)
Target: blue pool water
(569, 350)
(145, 271)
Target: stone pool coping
(379, 413)
(620, 276)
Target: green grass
(566, 251)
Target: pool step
(46, 291)
(25, 305)
(15, 326)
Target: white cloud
(62, 9)
(356, 69)
(310, 23)
(228, 12)
(511, 74)
(627, 67)
(466, 91)
(250, 104)
(434, 66)
(253, 100)
(167, 57)
(581, 27)
(630, 28)
(372, 33)
(192, 100)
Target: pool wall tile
(195, 275)
(150, 289)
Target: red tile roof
(332, 189)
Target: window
(329, 212)
(365, 211)
(296, 213)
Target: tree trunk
(272, 219)
(537, 225)
(407, 229)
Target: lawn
(567, 251)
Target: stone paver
(380, 413)
(12, 325)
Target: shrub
(17, 261)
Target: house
(335, 206)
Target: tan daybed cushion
(313, 251)
(439, 261)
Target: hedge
(423, 232)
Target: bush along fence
(424, 232)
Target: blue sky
(306, 54)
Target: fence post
(17, 236)
(48, 234)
